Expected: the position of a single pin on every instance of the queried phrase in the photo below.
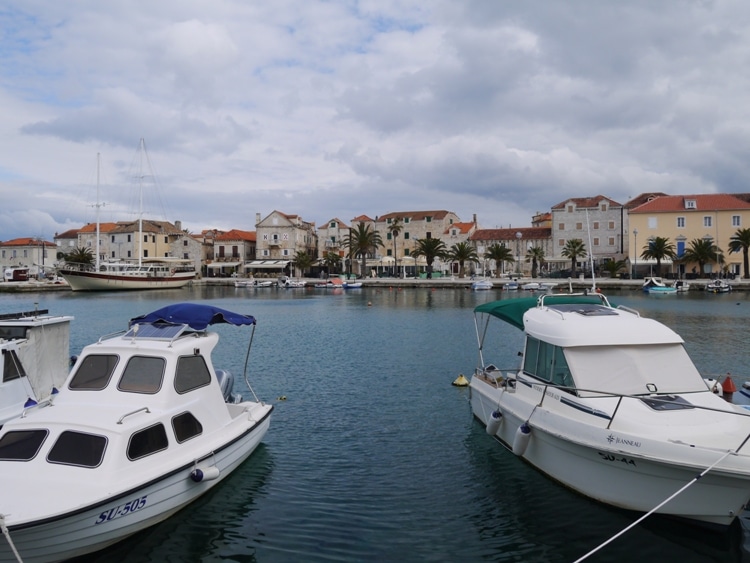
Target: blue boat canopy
(512, 310)
(196, 316)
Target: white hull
(626, 470)
(101, 281)
(102, 524)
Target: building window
(428, 219)
(428, 235)
(332, 225)
(604, 207)
(570, 209)
(680, 222)
(561, 226)
(406, 235)
(596, 225)
(129, 238)
(611, 225)
(736, 221)
(579, 226)
(112, 238)
(706, 220)
(407, 220)
(611, 241)
(596, 241)
(184, 242)
(561, 242)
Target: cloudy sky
(340, 108)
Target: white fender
(493, 422)
(521, 441)
(204, 473)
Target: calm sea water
(374, 455)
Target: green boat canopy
(512, 310)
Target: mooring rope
(657, 507)
(6, 533)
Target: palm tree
(499, 253)
(659, 248)
(80, 255)
(303, 261)
(332, 261)
(740, 242)
(574, 249)
(362, 241)
(462, 252)
(702, 251)
(535, 255)
(613, 267)
(394, 229)
(430, 248)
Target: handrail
(142, 409)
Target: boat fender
(200, 474)
(493, 423)
(521, 441)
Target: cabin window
(186, 426)
(547, 362)
(142, 374)
(12, 368)
(21, 445)
(78, 448)
(147, 441)
(192, 373)
(94, 372)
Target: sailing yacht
(146, 273)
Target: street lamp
(635, 269)
(518, 253)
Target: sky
(334, 109)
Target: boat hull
(97, 281)
(601, 469)
(91, 528)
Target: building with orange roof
(684, 218)
(36, 254)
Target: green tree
(430, 248)
(80, 256)
(740, 242)
(500, 254)
(702, 251)
(614, 267)
(394, 229)
(659, 248)
(302, 261)
(535, 256)
(332, 262)
(361, 241)
(462, 252)
(574, 249)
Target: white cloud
(335, 109)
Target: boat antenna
(98, 205)
(591, 253)
(140, 203)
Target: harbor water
(373, 455)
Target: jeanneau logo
(612, 439)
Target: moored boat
(35, 350)
(609, 404)
(143, 425)
(482, 284)
(718, 286)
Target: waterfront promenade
(576, 284)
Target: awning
(268, 264)
(218, 265)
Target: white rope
(657, 507)
(6, 533)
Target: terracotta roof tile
(703, 202)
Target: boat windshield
(634, 370)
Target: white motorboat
(290, 283)
(609, 404)
(531, 286)
(681, 286)
(143, 425)
(35, 350)
(482, 284)
(718, 286)
(352, 284)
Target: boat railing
(598, 394)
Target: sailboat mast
(98, 253)
(140, 205)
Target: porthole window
(78, 448)
(186, 426)
(94, 372)
(142, 374)
(21, 445)
(147, 441)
